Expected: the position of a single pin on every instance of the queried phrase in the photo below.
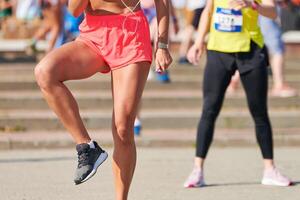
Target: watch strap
(162, 45)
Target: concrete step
(27, 73)
(175, 77)
(178, 82)
(27, 70)
(19, 76)
(29, 66)
(95, 99)
(149, 138)
(152, 119)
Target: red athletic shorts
(119, 39)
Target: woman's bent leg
(127, 87)
(66, 64)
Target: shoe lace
(83, 157)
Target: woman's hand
(239, 4)
(162, 55)
(195, 52)
(163, 60)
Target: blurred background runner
(193, 11)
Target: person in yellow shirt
(235, 44)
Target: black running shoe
(89, 159)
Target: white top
(27, 9)
(194, 4)
(179, 3)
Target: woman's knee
(261, 119)
(209, 115)
(45, 75)
(259, 114)
(211, 108)
(259, 111)
(124, 131)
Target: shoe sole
(270, 182)
(103, 156)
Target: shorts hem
(105, 72)
(131, 62)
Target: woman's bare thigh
(74, 60)
(128, 85)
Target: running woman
(235, 43)
(114, 36)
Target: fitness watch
(161, 45)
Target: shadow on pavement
(295, 183)
(29, 160)
(232, 184)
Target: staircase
(166, 108)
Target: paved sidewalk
(232, 174)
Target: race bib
(228, 20)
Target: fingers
(198, 55)
(194, 55)
(163, 61)
(190, 56)
(157, 66)
(168, 62)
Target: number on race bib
(228, 20)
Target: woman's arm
(162, 10)
(196, 50)
(76, 7)
(266, 8)
(162, 55)
(204, 23)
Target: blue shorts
(272, 35)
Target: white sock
(137, 122)
(92, 145)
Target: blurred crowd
(40, 19)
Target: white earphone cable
(132, 11)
